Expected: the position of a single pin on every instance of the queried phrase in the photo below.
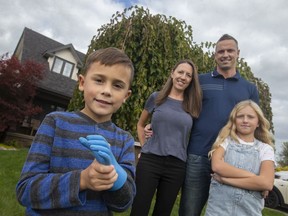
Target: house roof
(36, 47)
(51, 52)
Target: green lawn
(11, 163)
(11, 166)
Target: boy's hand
(98, 177)
(97, 140)
(101, 150)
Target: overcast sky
(260, 26)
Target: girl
(242, 162)
(161, 165)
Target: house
(62, 64)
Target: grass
(11, 166)
(7, 147)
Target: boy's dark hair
(227, 37)
(109, 56)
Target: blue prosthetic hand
(97, 140)
(102, 152)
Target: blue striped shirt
(49, 182)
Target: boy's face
(105, 89)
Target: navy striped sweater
(49, 182)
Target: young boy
(61, 176)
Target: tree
(17, 90)
(284, 155)
(155, 43)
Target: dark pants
(164, 173)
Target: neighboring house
(62, 64)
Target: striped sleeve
(122, 146)
(38, 187)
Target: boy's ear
(81, 82)
(127, 95)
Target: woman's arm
(224, 169)
(140, 126)
(263, 181)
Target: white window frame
(61, 65)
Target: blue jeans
(195, 190)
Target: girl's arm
(141, 125)
(224, 169)
(263, 181)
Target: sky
(260, 26)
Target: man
(222, 89)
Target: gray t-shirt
(171, 127)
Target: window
(62, 66)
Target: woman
(161, 165)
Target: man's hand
(148, 131)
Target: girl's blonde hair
(261, 133)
